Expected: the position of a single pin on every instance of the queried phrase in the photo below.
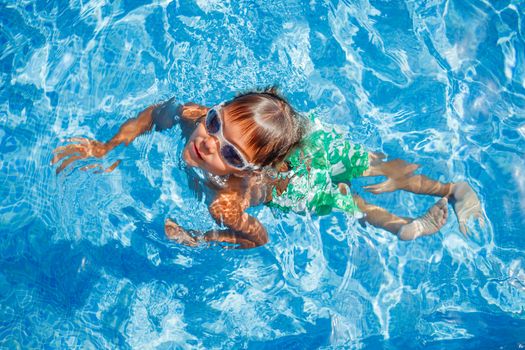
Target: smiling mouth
(197, 151)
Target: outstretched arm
(228, 209)
(163, 116)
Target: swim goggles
(229, 153)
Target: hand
(85, 148)
(178, 234)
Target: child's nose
(211, 145)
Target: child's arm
(228, 209)
(162, 116)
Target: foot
(466, 205)
(178, 234)
(427, 224)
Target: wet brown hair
(271, 127)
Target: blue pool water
(83, 258)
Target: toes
(445, 216)
(439, 212)
(440, 207)
(435, 210)
(442, 203)
(481, 221)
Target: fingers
(83, 148)
(74, 152)
(66, 162)
(101, 169)
(91, 166)
(67, 151)
(112, 166)
(66, 148)
(77, 147)
(82, 140)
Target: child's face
(203, 150)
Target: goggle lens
(232, 156)
(213, 122)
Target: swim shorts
(325, 160)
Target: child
(256, 149)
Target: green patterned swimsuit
(325, 160)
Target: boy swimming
(255, 149)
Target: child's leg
(396, 168)
(380, 217)
(400, 177)
(419, 184)
(405, 228)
